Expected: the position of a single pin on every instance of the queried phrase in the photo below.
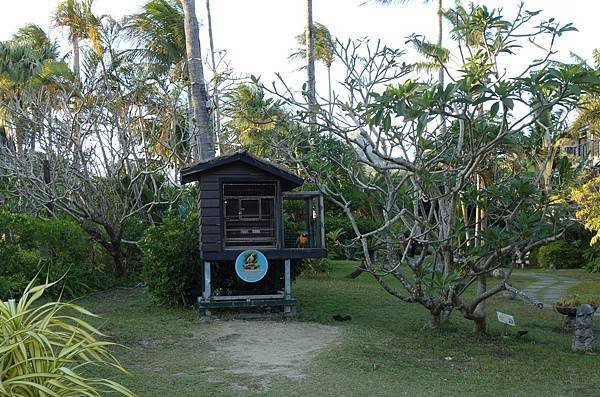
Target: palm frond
(324, 45)
(158, 30)
(429, 50)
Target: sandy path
(263, 348)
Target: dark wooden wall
(210, 204)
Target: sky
(259, 35)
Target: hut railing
(303, 220)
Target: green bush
(317, 266)
(560, 255)
(49, 248)
(170, 262)
(593, 266)
(335, 222)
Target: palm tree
(77, 17)
(440, 18)
(159, 33)
(158, 30)
(324, 50)
(205, 146)
(253, 117)
(36, 38)
(215, 94)
(310, 64)
(28, 61)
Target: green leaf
(494, 109)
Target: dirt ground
(269, 348)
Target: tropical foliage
(47, 348)
(588, 198)
(58, 250)
(435, 183)
(441, 162)
(170, 264)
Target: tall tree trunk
(75, 43)
(548, 165)
(215, 97)
(118, 256)
(479, 325)
(310, 64)
(435, 319)
(191, 138)
(479, 212)
(113, 244)
(204, 140)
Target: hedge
(49, 248)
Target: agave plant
(45, 349)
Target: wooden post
(322, 222)
(309, 222)
(288, 280)
(206, 292)
(280, 220)
(287, 292)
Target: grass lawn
(383, 351)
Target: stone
(584, 333)
(569, 324)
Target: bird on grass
(302, 240)
(521, 333)
(342, 317)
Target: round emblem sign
(251, 266)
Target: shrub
(560, 255)
(45, 351)
(170, 262)
(593, 266)
(52, 248)
(341, 222)
(576, 300)
(317, 266)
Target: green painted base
(289, 306)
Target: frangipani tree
(94, 162)
(421, 174)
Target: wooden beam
(321, 223)
(301, 195)
(202, 305)
(207, 291)
(308, 208)
(212, 253)
(246, 297)
(288, 286)
(288, 280)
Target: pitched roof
(192, 172)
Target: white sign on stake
(505, 318)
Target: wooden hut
(252, 228)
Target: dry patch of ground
(269, 348)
